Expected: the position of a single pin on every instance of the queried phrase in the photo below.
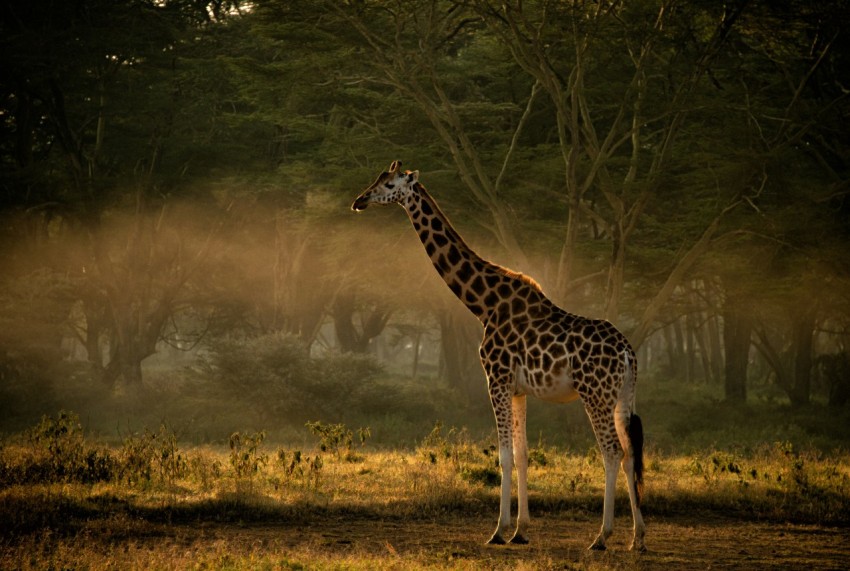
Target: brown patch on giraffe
(530, 345)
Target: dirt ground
(674, 544)
(355, 541)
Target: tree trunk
(835, 370)
(716, 354)
(678, 355)
(300, 296)
(737, 329)
(460, 337)
(417, 345)
(803, 340)
(690, 349)
(350, 339)
(616, 273)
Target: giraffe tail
(629, 424)
(635, 431)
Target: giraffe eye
(390, 185)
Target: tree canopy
(178, 169)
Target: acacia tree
(435, 58)
(795, 110)
(94, 102)
(622, 78)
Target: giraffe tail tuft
(635, 432)
(629, 424)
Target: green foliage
(275, 375)
(774, 479)
(471, 462)
(153, 455)
(484, 475)
(778, 483)
(115, 109)
(437, 445)
(63, 455)
(835, 371)
(537, 456)
(298, 467)
(246, 459)
(334, 438)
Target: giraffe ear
(412, 177)
(395, 167)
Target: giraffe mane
(508, 273)
(528, 280)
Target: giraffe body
(531, 347)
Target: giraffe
(531, 347)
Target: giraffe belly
(546, 385)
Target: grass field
(149, 502)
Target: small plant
(486, 476)
(333, 438)
(62, 439)
(245, 456)
(537, 456)
(297, 466)
(69, 457)
(314, 466)
(137, 456)
(580, 481)
(437, 445)
(204, 469)
(153, 453)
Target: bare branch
(515, 138)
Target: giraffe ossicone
(531, 347)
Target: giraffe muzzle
(360, 203)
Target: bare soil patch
(355, 540)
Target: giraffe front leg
(521, 461)
(501, 401)
(503, 527)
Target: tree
(94, 99)
(616, 141)
(433, 59)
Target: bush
(58, 452)
(333, 437)
(835, 371)
(153, 453)
(275, 376)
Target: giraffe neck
(479, 284)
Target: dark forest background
(176, 242)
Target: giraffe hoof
(597, 546)
(497, 539)
(638, 548)
(519, 539)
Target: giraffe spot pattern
(530, 346)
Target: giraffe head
(391, 186)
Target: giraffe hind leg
(633, 469)
(606, 436)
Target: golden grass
(376, 509)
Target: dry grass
(267, 507)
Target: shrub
(276, 377)
(333, 437)
(486, 475)
(59, 453)
(153, 453)
(245, 456)
(299, 468)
